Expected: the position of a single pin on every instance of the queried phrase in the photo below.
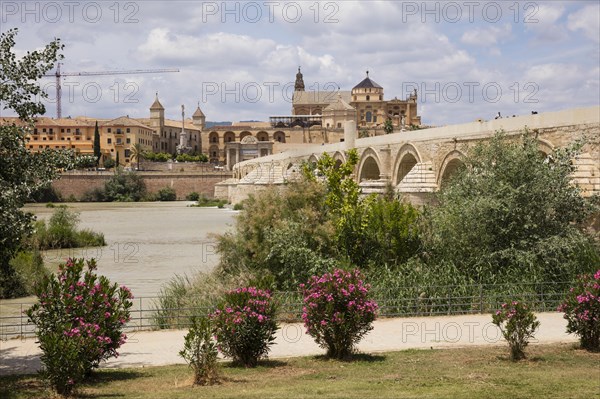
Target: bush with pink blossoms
(338, 311)
(518, 324)
(582, 311)
(244, 325)
(79, 318)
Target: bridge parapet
(417, 162)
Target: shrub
(518, 325)
(238, 207)
(79, 319)
(337, 311)
(166, 194)
(29, 266)
(244, 325)
(582, 311)
(62, 232)
(96, 194)
(109, 163)
(193, 196)
(200, 351)
(125, 187)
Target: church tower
(299, 84)
(198, 118)
(157, 115)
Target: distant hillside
(211, 124)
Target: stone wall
(76, 184)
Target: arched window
(368, 98)
(369, 116)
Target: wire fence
(147, 314)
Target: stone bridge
(417, 162)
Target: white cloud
(587, 20)
(486, 37)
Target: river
(147, 243)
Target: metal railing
(147, 314)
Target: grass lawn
(551, 371)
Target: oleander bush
(518, 325)
(582, 310)
(338, 311)
(79, 318)
(245, 325)
(200, 351)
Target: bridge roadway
(158, 348)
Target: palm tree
(137, 152)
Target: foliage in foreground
(200, 351)
(518, 324)
(245, 325)
(552, 371)
(582, 310)
(338, 311)
(21, 171)
(79, 321)
(512, 215)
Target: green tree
(125, 186)
(21, 172)
(388, 127)
(117, 161)
(512, 215)
(97, 152)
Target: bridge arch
(408, 156)
(452, 162)
(339, 158)
(369, 167)
(545, 148)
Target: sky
(238, 60)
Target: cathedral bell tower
(299, 84)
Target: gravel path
(156, 348)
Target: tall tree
(21, 172)
(118, 161)
(513, 215)
(97, 152)
(137, 152)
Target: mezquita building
(317, 117)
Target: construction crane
(58, 74)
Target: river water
(147, 243)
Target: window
(128, 130)
(62, 130)
(35, 131)
(128, 141)
(68, 130)
(127, 154)
(369, 116)
(380, 98)
(119, 141)
(51, 131)
(109, 141)
(44, 130)
(109, 130)
(368, 98)
(77, 131)
(339, 125)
